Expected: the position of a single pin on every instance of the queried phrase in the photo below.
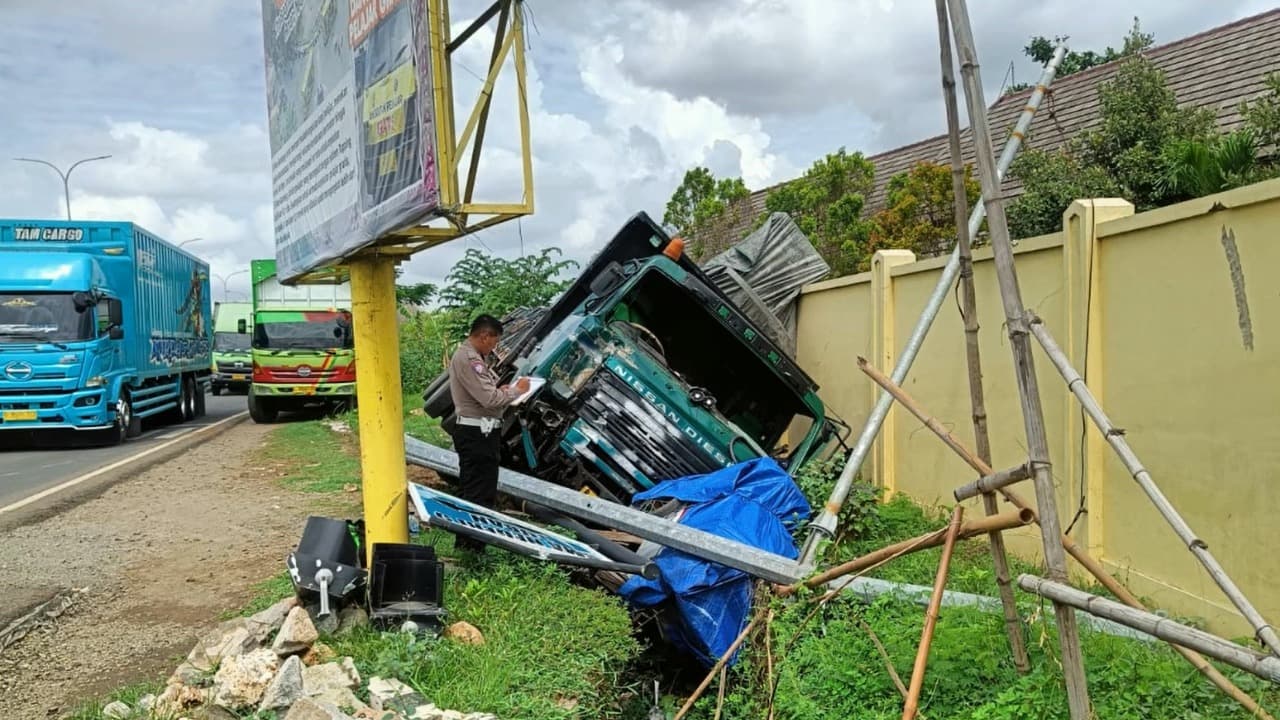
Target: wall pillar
(1081, 339)
(884, 353)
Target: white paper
(534, 384)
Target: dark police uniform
(478, 404)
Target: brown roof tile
(1217, 68)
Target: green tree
(1263, 114)
(417, 294)
(1040, 49)
(1195, 168)
(699, 199)
(1051, 181)
(919, 212)
(826, 204)
(482, 283)
(1138, 117)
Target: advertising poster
(352, 122)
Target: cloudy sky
(624, 95)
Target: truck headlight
(95, 381)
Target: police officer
(478, 404)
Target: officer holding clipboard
(478, 404)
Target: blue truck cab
(102, 324)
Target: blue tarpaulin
(754, 502)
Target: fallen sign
(753, 561)
(460, 517)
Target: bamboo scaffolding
(991, 523)
(973, 357)
(912, 704)
(1115, 438)
(1260, 664)
(825, 524)
(720, 664)
(988, 484)
(1024, 367)
(1078, 553)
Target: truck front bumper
(231, 379)
(76, 410)
(304, 391)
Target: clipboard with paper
(535, 384)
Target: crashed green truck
(303, 348)
(653, 371)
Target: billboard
(351, 114)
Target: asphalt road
(34, 466)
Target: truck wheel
(261, 410)
(199, 399)
(125, 421)
(188, 400)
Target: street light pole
(66, 177)
(225, 278)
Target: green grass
(313, 456)
(129, 694)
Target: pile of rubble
(274, 661)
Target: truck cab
(303, 348)
(652, 373)
(232, 342)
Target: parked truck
(303, 347)
(232, 338)
(102, 325)
(651, 373)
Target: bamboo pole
(912, 704)
(999, 556)
(824, 524)
(988, 484)
(985, 525)
(1024, 366)
(1115, 438)
(1260, 664)
(1078, 553)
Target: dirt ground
(160, 555)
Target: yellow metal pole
(381, 404)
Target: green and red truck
(303, 347)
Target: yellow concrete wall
(1145, 307)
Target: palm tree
(1195, 168)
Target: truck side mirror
(242, 326)
(115, 313)
(116, 332)
(82, 301)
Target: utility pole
(66, 176)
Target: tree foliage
(919, 213)
(417, 294)
(1051, 181)
(827, 203)
(1040, 50)
(1263, 114)
(699, 199)
(1195, 168)
(482, 283)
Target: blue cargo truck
(102, 324)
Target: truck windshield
(231, 341)
(303, 331)
(43, 317)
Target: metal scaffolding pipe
(825, 523)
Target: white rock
(273, 617)
(352, 618)
(297, 633)
(391, 694)
(146, 702)
(117, 711)
(311, 709)
(341, 674)
(285, 687)
(427, 712)
(233, 637)
(241, 680)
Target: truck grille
(238, 366)
(316, 375)
(632, 437)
